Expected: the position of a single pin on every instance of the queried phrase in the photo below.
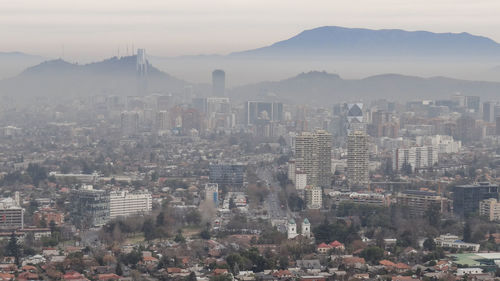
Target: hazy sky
(92, 29)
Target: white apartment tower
(417, 157)
(357, 159)
(313, 156)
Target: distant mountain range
(323, 88)
(11, 63)
(57, 80)
(354, 52)
(354, 42)
(363, 52)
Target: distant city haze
(89, 30)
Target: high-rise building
(142, 72)
(123, 203)
(90, 207)
(218, 83)
(314, 197)
(473, 103)
(466, 129)
(324, 154)
(218, 113)
(162, 121)
(129, 122)
(313, 156)
(11, 213)
(416, 157)
(489, 111)
(357, 159)
(267, 111)
(355, 117)
(497, 125)
(466, 198)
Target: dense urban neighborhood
(199, 186)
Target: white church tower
(306, 228)
(292, 229)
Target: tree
(160, 219)
(295, 203)
(191, 276)
(149, 230)
(433, 215)
(119, 270)
(53, 227)
(372, 254)
(179, 238)
(467, 232)
(429, 244)
(329, 232)
(13, 248)
(283, 262)
(406, 239)
(37, 173)
(205, 234)
(222, 277)
(133, 258)
(193, 217)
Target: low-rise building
(123, 203)
(418, 202)
(452, 241)
(370, 198)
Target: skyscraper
(357, 159)
(162, 121)
(142, 72)
(218, 83)
(129, 123)
(255, 110)
(489, 111)
(313, 156)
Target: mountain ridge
(342, 41)
(321, 87)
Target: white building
(442, 143)
(300, 180)
(11, 213)
(314, 197)
(291, 229)
(417, 157)
(291, 170)
(306, 228)
(490, 208)
(452, 241)
(357, 159)
(468, 271)
(123, 203)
